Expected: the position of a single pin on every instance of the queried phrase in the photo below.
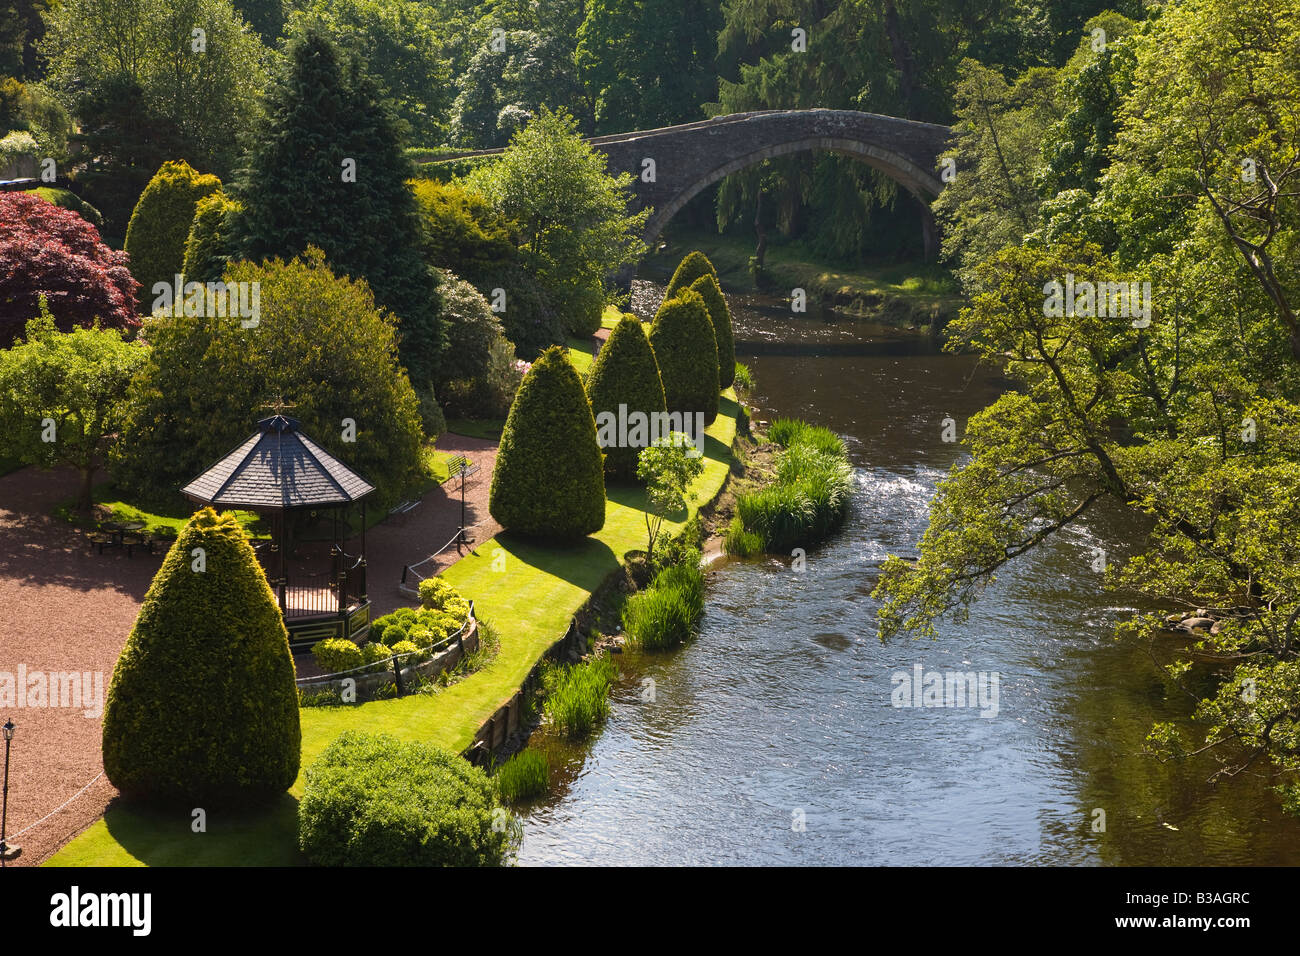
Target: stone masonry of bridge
(692, 156)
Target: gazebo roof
(276, 469)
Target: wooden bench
(455, 466)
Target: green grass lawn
(530, 601)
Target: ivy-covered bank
(529, 590)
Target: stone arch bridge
(688, 158)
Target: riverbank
(906, 295)
(528, 590)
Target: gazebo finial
(278, 405)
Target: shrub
(687, 353)
(208, 246)
(393, 633)
(709, 290)
(19, 148)
(436, 594)
(45, 250)
(320, 343)
(472, 330)
(373, 800)
(462, 233)
(584, 309)
(67, 199)
(692, 266)
(505, 373)
(156, 235)
(744, 377)
(525, 776)
(405, 647)
(432, 420)
(577, 697)
(202, 705)
(422, 637)
(376, 652)
(549, 478)
(624, 373)
(406, 615)
(337, 654)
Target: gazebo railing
(324, 592)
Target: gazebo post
(284, 565)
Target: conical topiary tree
(155, 237)
(694, 265)
(202, 709)
(207, 250)
(549, 477)
(625, 373)
(708, 288)
(687, 352)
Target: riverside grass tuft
(577, 697)
(525, 776)
(808, 500)
(665, 614)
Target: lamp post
(461, 536)
(7, 852)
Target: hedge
(625, 372)
(373, 800)
(708, 288)
(202, 709)
(549, 477)
(687, 352)
(160, 225)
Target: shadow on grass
(584, 563)
(266, 836)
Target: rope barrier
(15, 836)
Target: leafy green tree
(572, 215)
(401, 44)
(1184, 413)
(160, 225)
(326, 122)
(518, 61)
(993, 200)
(319, 342)
(206, 89)
(464, 234)
(202, 708)
(21, 28)
(549, 477)
(63, 396)
(667, 467)
(625, 373)
(648, 63)
(720, 316)
(687, 352)
(264, 16)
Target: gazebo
(279, 472)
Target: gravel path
(69, 609)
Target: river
(772, 738)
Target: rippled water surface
(781, 710)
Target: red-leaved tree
(45, 250)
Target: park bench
(460, 466)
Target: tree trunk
(929, 233)
(760, 252)
(86, 501)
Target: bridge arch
(690, 157)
